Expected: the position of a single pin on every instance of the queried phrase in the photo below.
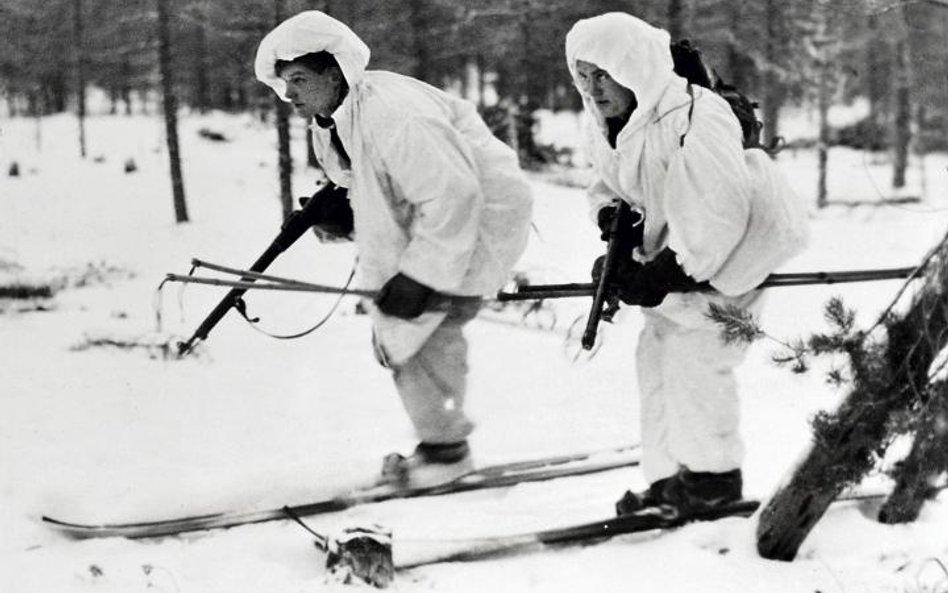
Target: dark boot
(694, 492)
(430, 464)
(443, 452)
(654, 496)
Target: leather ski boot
(429, 465)
(695, 492)
(653, 496)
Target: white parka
(434, 194)
(725, 211)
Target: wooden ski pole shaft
(245, 274)
(295, 286)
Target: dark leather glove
(653, 281)
(403, 297)
(330, 214)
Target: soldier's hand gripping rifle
(624, 233)
(327, 209)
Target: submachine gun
(623, 234)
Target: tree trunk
(202, 85)
(55, 88)
(510, 121)
(823, 105)
(469, 79)
(12, 110)
(126, 85)
(325, 6)
(876, 84)
(773, 91)
(901, 133)
(481, 80)
(283, 138)
(38, 131)
(285, 158)
(169, 103)
(144, 95)
(80, 74)
(738, 65)
(676, 19)
(822, 145)
(921, 151)
(925, 462)
(846, 446)
(527, 67)
(419, 27)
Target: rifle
(620, 244)
(292, 229)
(529, 292)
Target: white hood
(634, 53)
(310, 32)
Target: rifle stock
(293, 228)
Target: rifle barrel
(571, 290)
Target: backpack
(689, 65)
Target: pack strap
(691, 111)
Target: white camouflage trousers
(690, 410)
(432, 383)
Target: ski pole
(291, 286)
(245, 274)
(293, 228)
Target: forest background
(505, 55)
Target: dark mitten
(403, 297)
(625, 272)
(629, 224)
(649, 286)
(330, 214)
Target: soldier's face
(312, 93)
(611, 98)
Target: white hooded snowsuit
(434, 195)
(725, 212)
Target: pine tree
(889, 376)
(916, 475)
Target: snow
(108, 434)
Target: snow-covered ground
(103, 433)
